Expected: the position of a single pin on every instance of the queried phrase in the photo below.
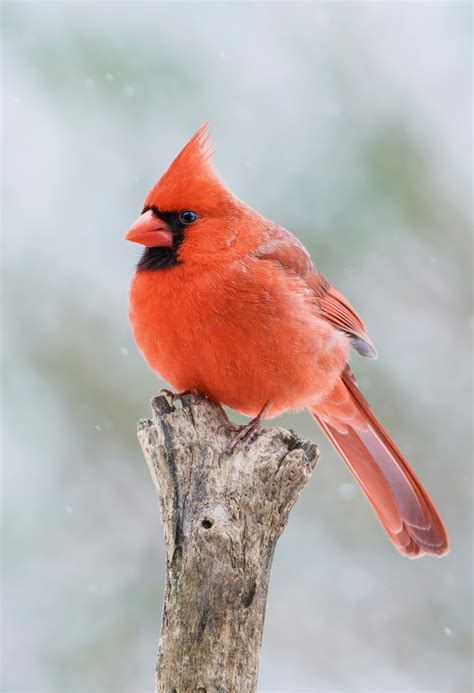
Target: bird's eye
(187, 217)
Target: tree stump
(222, 515)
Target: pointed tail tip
(423, 551)
(415, 542)
(439, 551)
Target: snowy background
(348, 123)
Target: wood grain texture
(222, 515)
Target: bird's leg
(175, 396)
(248, 431)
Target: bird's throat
(158, 259)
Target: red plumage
(228, 303)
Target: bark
(222, 515)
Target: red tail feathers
(398, 498)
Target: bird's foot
(248, 432)
(177, 396)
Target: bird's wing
(283, 248)
(338, 311)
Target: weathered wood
(222, 515)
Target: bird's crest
(190, 180)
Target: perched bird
(228, 303)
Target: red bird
(228, 303)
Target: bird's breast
(243, 337)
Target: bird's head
(189, 213)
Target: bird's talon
(233, 428)
(245, 434)
(248, 432)
(175, 396)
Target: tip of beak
(149, 231)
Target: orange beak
(150, 231)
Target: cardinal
(229, 304)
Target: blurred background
(348, 123)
